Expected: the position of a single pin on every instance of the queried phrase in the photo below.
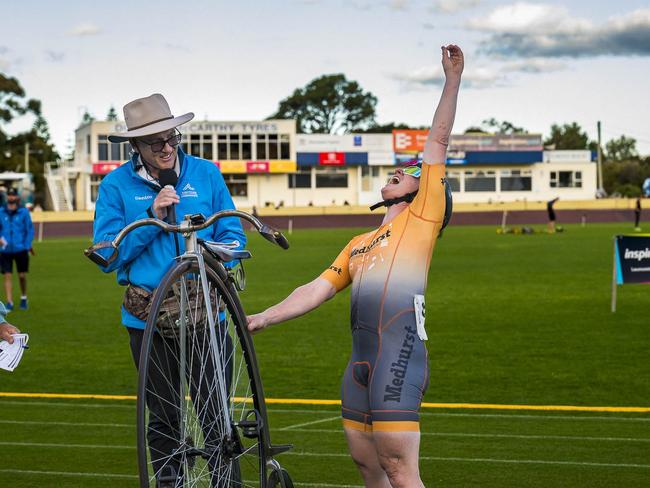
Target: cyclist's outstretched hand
(165, 198)
(256, 322)
(6, 329)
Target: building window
(367, 174)
(237, 184)
(206, 143)
(331, 178)
(116, 151)
(453, 178)
(272, 146)
(126, 150)
(300, 179)
(233, 146)
(222, 147)
(195, 145)
(95, 180)
(516, 180)
(88, 144)
(102, 148)
(246, 147)
(480, 180)
(566, 179)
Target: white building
(267, 163)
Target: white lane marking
(504, 436)
(72, 424)
(489, 460)
(68, 473)
(304, 424)
(586, 416)
(339, 455)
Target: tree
(329, 104)
(567, 136)
(474, 130)
(387, 128)
(112, 114)
(501, 127)
(623, 148)
(12, 148)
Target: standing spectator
(637, 214)
(17, 232)
(551, 214)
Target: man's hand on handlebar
(166, 197)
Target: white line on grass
(131, 476)
(340, 455)
(488, 460)
(586, 415)
(304, 424)
(68, 473)
(503, 436)
(72, 424)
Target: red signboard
(331, 158)
(105, 168)
(257, 166)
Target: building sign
(409, 141)
(632, 259)
(251, 167)
(331, 159)
(264, 127)
(412, 142)
(257, 166)
(105, 167)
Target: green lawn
(512, 319)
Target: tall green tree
(329, 104)
(501, 127)
(567, 136)
(14, 104)
(621, 149)
(387, 128)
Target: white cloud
(85, 29)
(479, 77)
(453, 6)
(399, 4)
(534, 65)
(527, 29)
(54, 56)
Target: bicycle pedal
(250, 428)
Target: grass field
(512, 320)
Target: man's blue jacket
(147, 253)
(17, 229)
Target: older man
(133, 192)
(388, 373)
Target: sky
(530, 63)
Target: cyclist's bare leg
(364, 453)
(398, 455)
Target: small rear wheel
(279, 479)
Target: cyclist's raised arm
(301, 300)
(435, 148)
(227, 229)
(109, 221)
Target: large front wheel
(198, 411)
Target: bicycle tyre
(280, 479)
(185, 437)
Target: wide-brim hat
(146, 116)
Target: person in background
(6, 329)
(551, 214)
(637, 215)
(16, 234)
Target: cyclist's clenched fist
(166, 197)
(257, 322)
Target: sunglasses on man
(159, 145)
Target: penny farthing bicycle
(201, 416)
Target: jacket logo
(144, 197)
(188, 187)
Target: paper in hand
(11, 354)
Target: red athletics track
(515, 217)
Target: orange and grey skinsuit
(388, 373)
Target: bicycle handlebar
(191, 223)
